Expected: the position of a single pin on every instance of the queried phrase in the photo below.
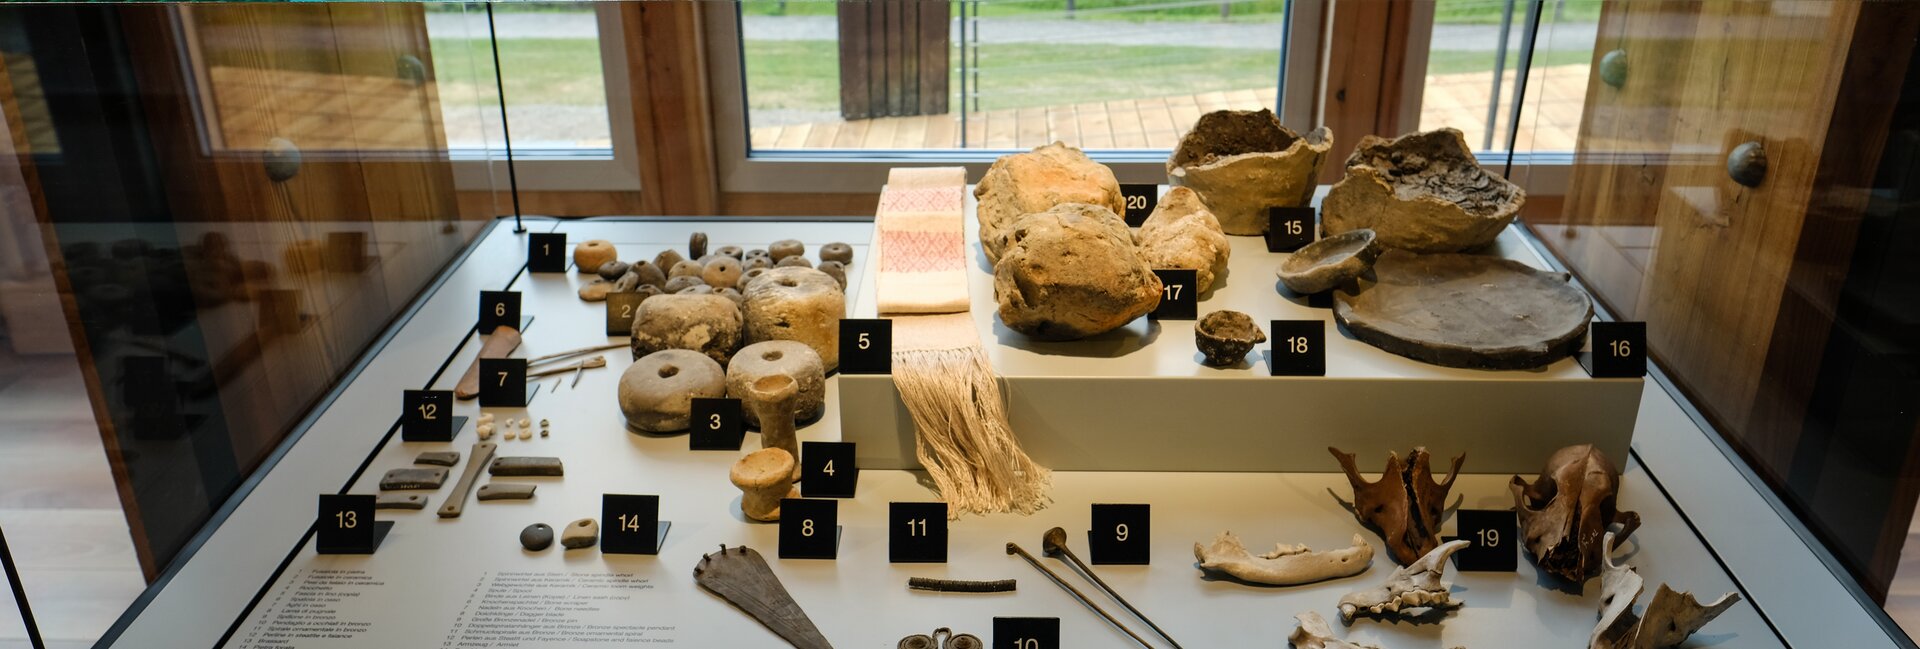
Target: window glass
(1474, 59)
(552, 77)
(1098, 74)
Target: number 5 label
(866, 346)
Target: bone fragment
(1668, 620)
(1416, 585)
(1286, 565)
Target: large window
(1098, 74)
(551, 75)
(1475, 58)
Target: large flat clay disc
(1466, 311)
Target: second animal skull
(1566, 513)
(1405, 504)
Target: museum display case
(958, 324)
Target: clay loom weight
(742, 578)
(1243, 162)
(708, 324)
(764, 478)
(1468, 311)
(1181, 233)
(1024, 183)
(773, 398)
(784, 357)
(1105, 286)
(1423, 192)
(798, 304)
(657, 392)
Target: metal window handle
(1747, 164)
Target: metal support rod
(963, 74)
(1055, 543)
(1527, 39)
(506, 131)
(20, 595)
(1014, 548)
(1499, 72)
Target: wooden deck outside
(1457, 100)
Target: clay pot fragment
(1470, 311)
(1423, 192)
(1072, 272)
(1405, 504)
(1025, 183)
(1567, 512)
(1242, 162)
(1182, 233)
(1326, 264)
(1668, 620)
(1225, 337)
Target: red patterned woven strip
(919, 251)
(923, 199)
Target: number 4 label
(827, 470)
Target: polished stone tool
(457, 501)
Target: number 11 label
(917, 532)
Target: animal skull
(1670, 618)
(1565, 513)
(1405, 504)
(1287, 565)
(1416, 585)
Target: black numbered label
(1619, 350)
(1289, 228)
(621, 308)
(503, 382)
(1492, 532)
(809, 528)
(1026, 633)
(1179, 294)
(1138, 202)
(629, 524)
(547, 253)
(717, 425)
(827, 470)
(499, 309)
(866, 346)
(428, 416)
(345, 524)
(1121, 534)
(1299, 348)
(917, 532)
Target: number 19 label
(1492, 533)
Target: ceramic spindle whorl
(764, 478)
(773, 400)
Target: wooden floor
(1458, 100)
(58, 507)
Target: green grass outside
(804, 75)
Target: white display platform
(1138, 398)
(466, 582)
